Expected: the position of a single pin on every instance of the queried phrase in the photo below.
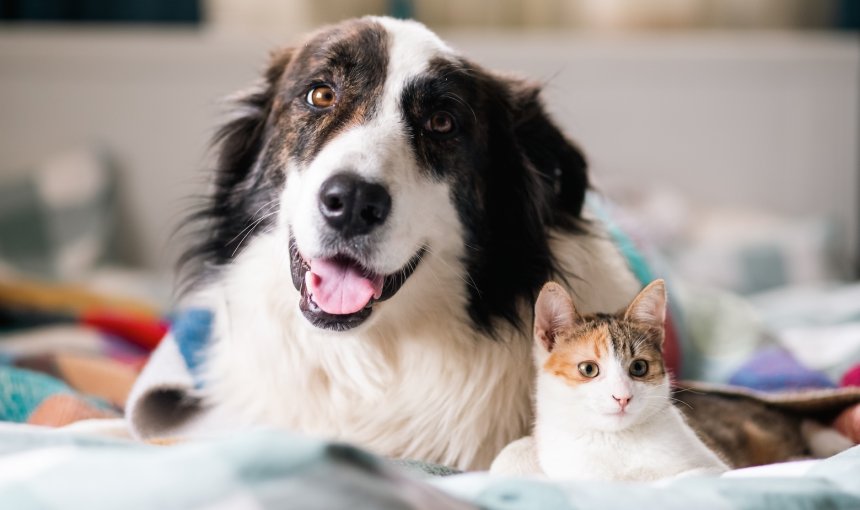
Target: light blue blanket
(54, 470)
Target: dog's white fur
(421, 383)
(417, 380)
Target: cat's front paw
(519, 458)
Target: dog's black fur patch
(513, 176)
(352, 58)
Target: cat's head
(601, 372)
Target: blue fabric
(22, 391)
(191, 330)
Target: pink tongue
(340, 288)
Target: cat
(603, 404)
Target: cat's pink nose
(623, 401)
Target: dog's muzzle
(338, 292)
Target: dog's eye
(441, 123)
(321, 96)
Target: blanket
(67, 354)
(262, 469)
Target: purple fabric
(774, 368)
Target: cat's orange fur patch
(570, 350)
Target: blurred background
(727, 129)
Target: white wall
(755, 119)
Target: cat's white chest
(662, 448)
(605, 457)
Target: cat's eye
(588, 369)
(638, 368)
(321, 96)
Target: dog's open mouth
(338, 293)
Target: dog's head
(374, 147)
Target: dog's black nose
(352, 205)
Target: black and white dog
(384, 213)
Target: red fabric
(672, 347)
(851, 377)
(146, 333)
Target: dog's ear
(559, 162)
(230, 208)
(533, 179)
(240, 142)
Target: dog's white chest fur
(423, 385)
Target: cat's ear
(649, 307)
(554, 311)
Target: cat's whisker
(680, 402)
(681, 390)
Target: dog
(383, 214)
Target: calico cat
(603, 404)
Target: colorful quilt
(67, 354)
